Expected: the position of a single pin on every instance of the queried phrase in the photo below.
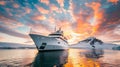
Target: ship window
(42, 37)
(43, 45)
(58, 42)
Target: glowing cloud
(61, 2)
(16, 5)
(42, 10)
(51, 20)
(98, 15)
(27, 10)
(53, 7)
(113, 1)
(2, 2)
(45, 1)
(78, 19)
(39, 17)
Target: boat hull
(44, 43)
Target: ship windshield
(55, 34)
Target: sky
(79, 19)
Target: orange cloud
(27, 10)
(2, 2)
(61, 2)
(45, 1)
(98, 15)
(39, 17)
(19, 24)
(53, 7)
(51, 20)
(71, 11)
(113, 1)
(16, 5)
(96, 9)
(84, 28)
(42, 10)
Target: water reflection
(93, 53)
(70, 58)
(75, 58)
(84, 58)
(50, 59)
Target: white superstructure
(54, 41)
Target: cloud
(71, 11)
(12, 32)
(53, 7)
(7, 16)
(42, 10)
(98, 16)
(2, 2)
(39, 17)
(10, 23)
(51, 19)
(108, 35)
(45, 1)
(8, 10)
(86, 18)
(97, 13)
(15, 13)
(117, 30)
(61, 2)
(28, 10)
(16, 5)
(111, 19)
(113, 1)
(39, 29)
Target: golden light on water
(75, 59)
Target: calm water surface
(68, 58)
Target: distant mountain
(93, 42)
(6, 45)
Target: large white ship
(54, 41)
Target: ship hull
(44, 43)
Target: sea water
(67, 58)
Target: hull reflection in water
(50, 59)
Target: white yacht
(54, 41)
